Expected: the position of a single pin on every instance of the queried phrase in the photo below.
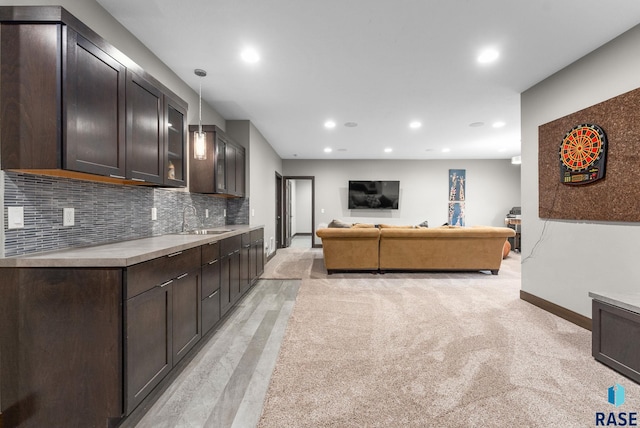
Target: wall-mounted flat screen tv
(377, 195)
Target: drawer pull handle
(213, 294)
(117, 176)
(166, 283)
(230, 254)
(183, 275)
(137, 179)
(213, 261)
(212, 243)
(175, 254)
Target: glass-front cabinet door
(221, 163)
(175, 159)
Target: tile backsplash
(104, 212)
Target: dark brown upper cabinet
(176, 136)
(73, 105)
(156, 126)
(94, 107)
(223, 171)
(145, 137)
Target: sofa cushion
(339, 224)
(363, 226)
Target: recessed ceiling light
(328, 150)
(488, 56)
(446, 150)
(498, 124)
(476, 124)
(415, 124)
(250, 55)
(388, 150)
(350, 124)
(329, 124)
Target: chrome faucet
(184, 216)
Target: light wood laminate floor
(224, 385)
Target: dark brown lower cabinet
(186, 322)
(61, 347)
(229, 272)
(245, 271)
(210, 286)
(149, 356)
(85, 346)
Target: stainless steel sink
(206, 232)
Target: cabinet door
(30, 84)
(230, 167)
(145, 136)
(260, 259)
(245, 263)
(234, 275)
(148, 342)
(240, 171)
(221, 164)
(225, 284)
(94, 140)
(175, 143)
(210, 294)
(186, 314)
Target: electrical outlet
(68, 216)
(15, 217)
(322, 211)
(154, 213)
(206, 213)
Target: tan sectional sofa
(387, 248)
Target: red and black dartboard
(583, 154)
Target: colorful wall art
(457, 184)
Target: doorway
(279, 213)
(298, 212)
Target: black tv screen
(377, 195)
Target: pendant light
(199, 141)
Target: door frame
(279, 213)
(313, 205)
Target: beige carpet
(445, 350)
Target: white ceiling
(379, 63)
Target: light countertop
(121, 254)
(628, 301)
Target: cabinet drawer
(257, 235)
(144, 276)
(210, 311)
(246, 239)
(210, 277)
(210, 252)
(230, 245)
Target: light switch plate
(15, 217)
(68, 216)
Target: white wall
(493, 188)
(264, 163)
(563, 260)
(302, 208)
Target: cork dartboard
(583, 154)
